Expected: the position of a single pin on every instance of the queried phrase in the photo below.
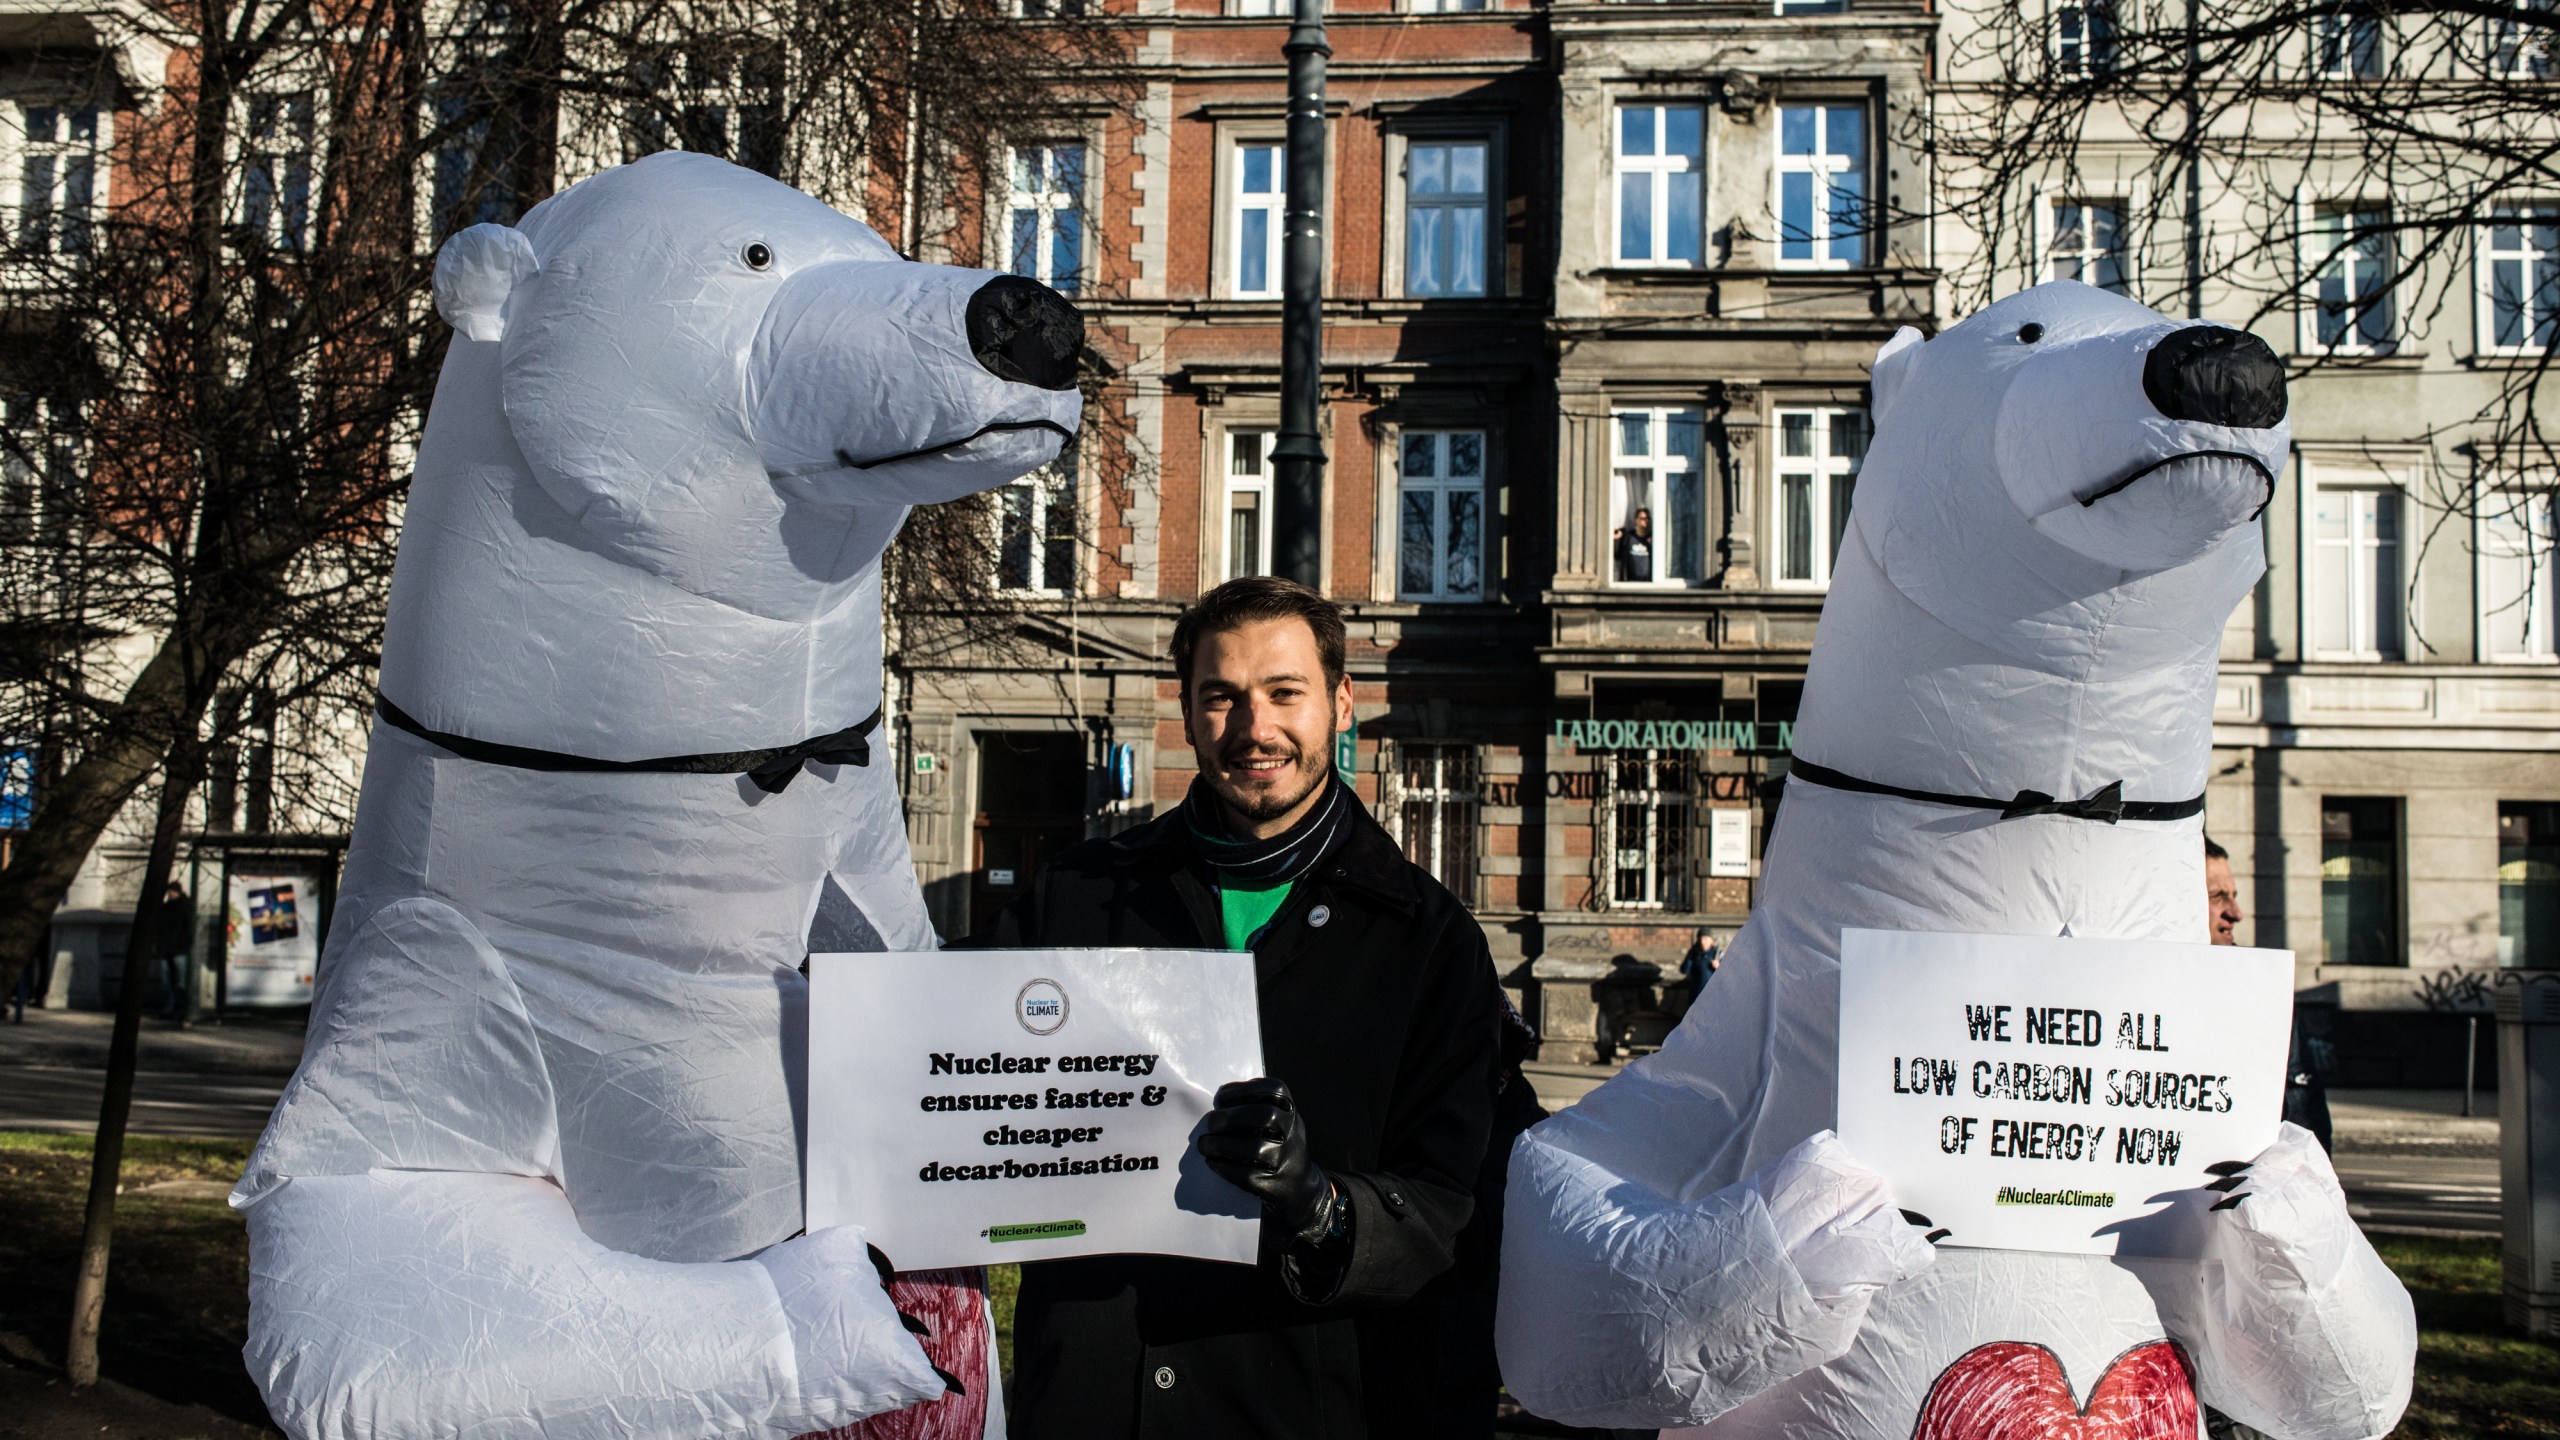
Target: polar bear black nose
(2216, 375)
(1023, 331)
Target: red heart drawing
(952, 1305)
(2011, 1390)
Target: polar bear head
(2067, 462)
(735, 387)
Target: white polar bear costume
(2030, 596)
(539, 1172)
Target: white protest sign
(992, 1106)
(2033, 1093)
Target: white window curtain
(1446, 201)
(1249, 515)
(2516, 574)
(1819, 451)
(2087, 243)
(2356, 580)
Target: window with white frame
(1044, 235)
(2346, 42)
(1249, 514)
(2516, 572)
(2525, 44)
(1440, 520)
(278, 139)
(1036, 537)
(1445, 7)
(1433, 805)
(2520, 278)
(1047, 9)
(1647, 817)
(2350, 263)
(1658, 497)
(1822, 185)
(1260, 7)
(2087, 243)
(2084, 37)
(1661, 164)
(1819, 451)
(59, 156)
(39, 462)
(1261, 195)
(1446, 201)
(2355, 600)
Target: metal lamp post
(1298, 453)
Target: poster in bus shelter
(274, 937)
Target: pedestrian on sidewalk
(1701, 963)
(176, 937)
(1382, 1024)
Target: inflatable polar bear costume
(539, 1172)
(2054, 522)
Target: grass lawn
(177, 1308)
(2475, 1377)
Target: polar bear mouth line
(845, 460)
(2244, 457)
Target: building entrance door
(1031, 805)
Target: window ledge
(2312, 362)
(2519, 360)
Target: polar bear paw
(1838, 1222)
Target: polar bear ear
(1892, 369)
(475, 273)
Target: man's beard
(1276, 802)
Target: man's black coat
(1381, 1011)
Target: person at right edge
(1384, 1031)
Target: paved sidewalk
(241, 1045)
(200, 1079)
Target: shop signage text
(1732, 735)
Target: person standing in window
(177, 936)
(1635, 548)
(1383, 1027)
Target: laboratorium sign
(1587, 736)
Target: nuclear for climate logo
(1041, 1006)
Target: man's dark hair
(1250, 600)
(2213, 851)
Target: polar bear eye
(2027, 334)
(756, 255)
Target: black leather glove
(1255, 1141)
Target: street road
(2456, 1194)
(56, 1097)
(2397, 1184)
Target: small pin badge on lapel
(1319, 915)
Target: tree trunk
(73, 812)
(106, 1165)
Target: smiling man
(1382, 1024)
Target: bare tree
(215, 385)
(2380, 173)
